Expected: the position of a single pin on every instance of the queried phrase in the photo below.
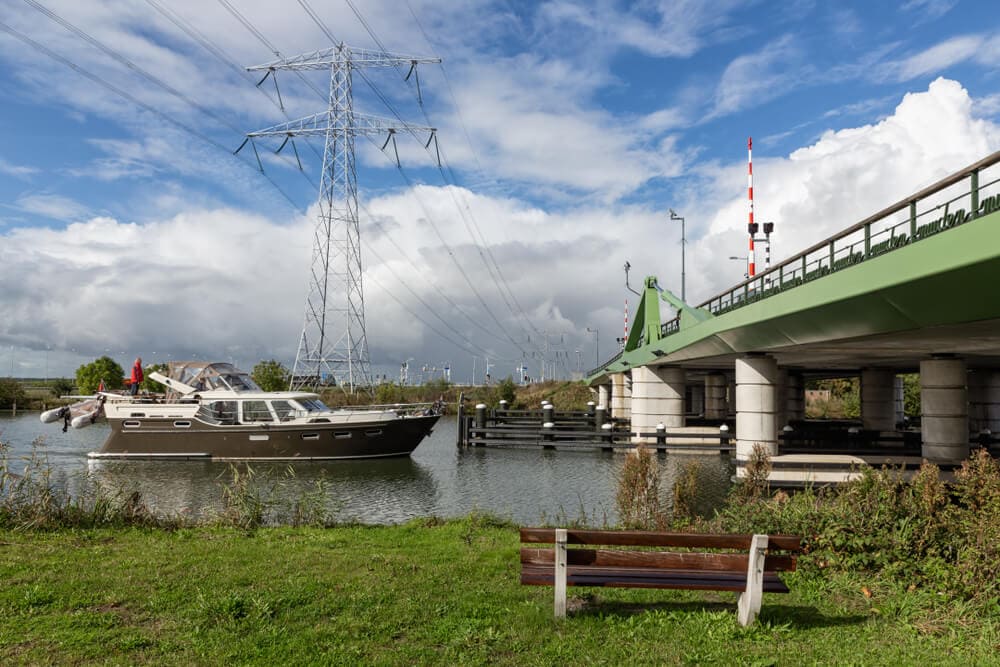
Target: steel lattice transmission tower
(333, 341)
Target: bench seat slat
(657, 539)
(647, 578)
(722, 562)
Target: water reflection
(524, 485)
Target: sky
(567, 132)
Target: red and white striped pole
(751, 259)
(625, 339)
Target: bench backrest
(684, 560)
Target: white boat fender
(53, 415)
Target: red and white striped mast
(751, 228)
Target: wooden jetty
(576, 430)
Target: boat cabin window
(218, 412)
(256, 411)
(238, 382)
(313, 405)
(285, 410)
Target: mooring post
(502, 408)
(599, 417)
(548, 412)
(591, 408)
(462, 425)
(724, 434)
(661, 435)
(481, 419)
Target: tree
(11, 392)
(62, 387)
(271, 375)
(89, 376)
(507, 390)
(151, 385)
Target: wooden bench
(750, 573)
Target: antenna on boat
(334, 344)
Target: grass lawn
(423, 593)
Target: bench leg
(749, 603)
(560, 573)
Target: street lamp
(743, 258)
(597, 344)
(674, 216)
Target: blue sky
(568, 130)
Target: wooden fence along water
(592, 429)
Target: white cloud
(756, 78)
(928, 10)
(16, 170)
(845, 176)
(52, 206)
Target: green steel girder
(947, 279)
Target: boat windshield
(206, 376)
(313, 405)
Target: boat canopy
(204, 376)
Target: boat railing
(398, 408)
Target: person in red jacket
(137, 377)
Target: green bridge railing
(953, 201)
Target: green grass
(427, 592)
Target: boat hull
(192, 438)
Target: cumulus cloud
(845, 176)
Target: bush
(638, 495)
(11, 392)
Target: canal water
(438, 480)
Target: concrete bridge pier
(603, 395)
(731, 395)
(984, 401)
(878, 399)
(944, 410)
(756, 405)
(621, 396)
(697, 393)
(795, 398)
(657, 397)
(715, 397)
(900, 400)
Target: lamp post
(674, 216)
(597, 345)
(743, 258)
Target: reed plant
(637, 498)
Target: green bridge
(913, 288)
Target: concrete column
(900, 399)
(984, 401)
(697, 398)
(620, 408)
(878, 399)
(657, 396)
(756, 402)
(795, 397)
(780, 392)
(731, 396)
(715, 396)
(944, 410)
(604, 395)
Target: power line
(121, 93)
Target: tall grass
(34, 497)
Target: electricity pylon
(333, 341)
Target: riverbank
(427, 592)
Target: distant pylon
(334, 343)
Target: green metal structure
(919, 277)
